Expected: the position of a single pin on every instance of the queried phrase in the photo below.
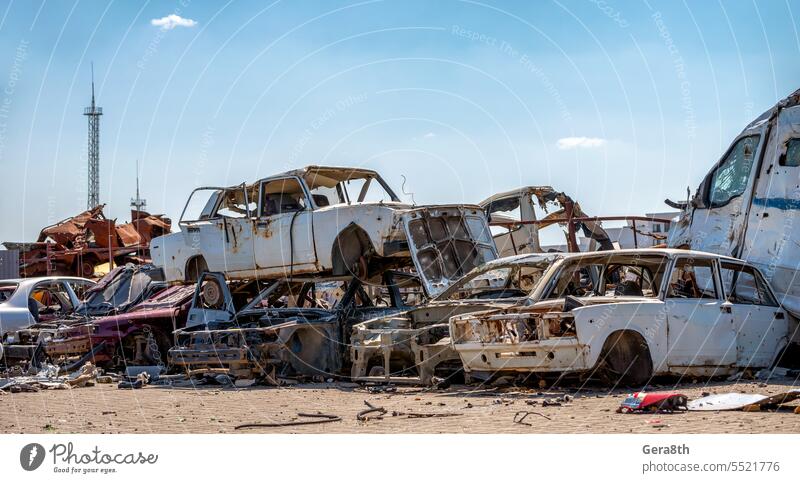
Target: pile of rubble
(76, 245)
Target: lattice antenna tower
(93, 113)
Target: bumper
(232, 360)
(563, 354)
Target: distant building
(9, 264)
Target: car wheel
(626, 360)
(85, 265)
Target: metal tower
(93, 113)
(138, 203)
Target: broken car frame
(321, 221)
(414, 346)
(627, 315)
(287, 331)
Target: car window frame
(715, 268)
(309, 201)
(710, 177)
(215, 212)
(759, 279)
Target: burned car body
(325, 221)
(414, 346)
(79, 243)
(138, 337)
(292, 328)
(628, 315)
(117, 292)
(516, 211)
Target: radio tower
(93, 113)
(138, 203)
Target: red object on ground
(653, 401)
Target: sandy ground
(212, 409)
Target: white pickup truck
(321, 220)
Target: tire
(626, 360)
(85, 265)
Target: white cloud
(429, 135)
(171, 21)
(579, 142)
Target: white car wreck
(27, 301)
(627, 315)
(510, 208)
(747, 204)
(323, 221)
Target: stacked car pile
(324, 273)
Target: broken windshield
(607, 275)
(504, 281)
(123, 290)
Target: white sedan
(628, 315)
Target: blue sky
(619, 103)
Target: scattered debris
(519, 417)
(653, 402)
(318, 418)
(47, 378)
(738, 401)
(381, 388)
(413, 415)
(141, 380)
(365, 414)
(74, 246)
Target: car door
(234, 219)
(222, 231)
(284, 234)
(699, 326)
(761, 325)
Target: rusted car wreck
(108, 326)
(293, 328)
(515, 210)
(413, 346)
(625, 316)
(319, 221)
(76, 245)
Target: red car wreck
(127, 318)
(139, 337)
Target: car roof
(333, 172)
(516, 193)
(669, 252)
(44, 279)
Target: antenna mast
(93, 113)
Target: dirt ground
(473, 409)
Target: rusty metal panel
(128, 235)
(9, 264)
